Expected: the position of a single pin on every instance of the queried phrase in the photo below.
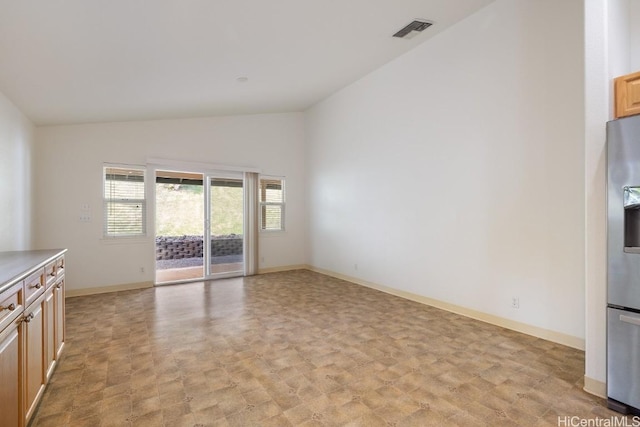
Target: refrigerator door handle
(629, 319)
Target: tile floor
(301, 349)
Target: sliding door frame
(207, 224)
(208, 171)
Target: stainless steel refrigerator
(623, 264)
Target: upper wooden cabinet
(627, 94)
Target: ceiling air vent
(413, 29)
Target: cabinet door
(50, 318)
(34, 355)
(10, 384)
(59, 328)
(627, 94)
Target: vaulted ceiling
(78, 61)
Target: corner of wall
(595, 387)
(16, 166)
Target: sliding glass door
(199, 226)
(226, 220)
(179, 224)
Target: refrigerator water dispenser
(631, 200)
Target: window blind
(124, 202)
(271, 204)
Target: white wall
(70, 160)
(598, 107)
(634, 36)
(456, 172)
(619, 27)
(16, 146)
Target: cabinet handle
(10, 307)
(38, 286)
(53, 273)
(59, 286)
(28, 318)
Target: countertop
(16, 265)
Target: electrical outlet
(141, 269)
(84, 217)
(515, 302)
(355, 267)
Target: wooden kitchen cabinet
(31, 329)
(34, 365)
(54, 312)
(627, 95)
(50, 273)
(50, 347)
(33, 287)
(10, 355)
(59, 318)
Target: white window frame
(282, 204)
(143, 202)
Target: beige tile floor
(299, 348)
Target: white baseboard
(595, 387)
(557, 337)
(284, 268)
(70, 293)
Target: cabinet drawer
(11, 304)
(59, 267)
(50, 273)
(33, 287)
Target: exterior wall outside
(177, 247)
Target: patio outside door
(226, 221)
(199, 220)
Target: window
(271, 204)
(125, 207)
